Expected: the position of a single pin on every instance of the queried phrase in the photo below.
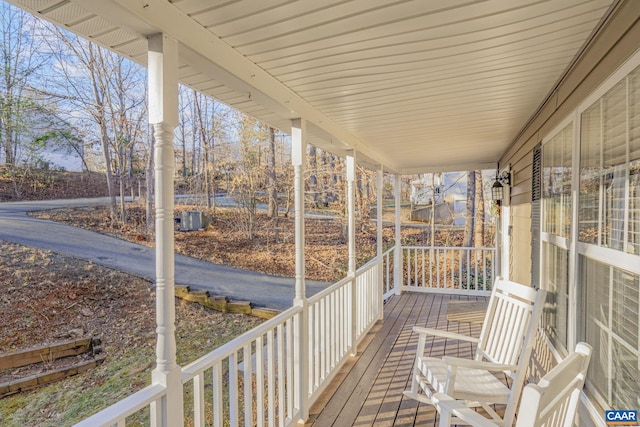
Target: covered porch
(400, 88)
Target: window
(609, 229)
(609, 167)
(556, 183)
(610, 321)
(555, 280)
(556, 232)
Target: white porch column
(163, 116)
(381, 275)
(351, 210)
(298, 159)
(351, 222)
(301, 335)
(397, 253)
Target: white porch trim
(351, 272)
(301, 336)
(163, 116)
(397, 254)
(379, 247)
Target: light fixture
(497, 192)
(497, 189)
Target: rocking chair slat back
(508, 317)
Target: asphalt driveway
(261, 289)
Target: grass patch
(53, 291)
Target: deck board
(368, 391)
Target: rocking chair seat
(470, 384)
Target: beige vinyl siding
(520, 243)
(521, 172)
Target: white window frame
(615, 258)
(565, 243)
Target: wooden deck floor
(368, 390)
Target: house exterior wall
(613, 45)
(519, 242)
(616, 42)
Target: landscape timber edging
(43, 378)
(222, 303)
(49, 352)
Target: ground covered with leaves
(24, 183)
(225, 241)
(47, 297)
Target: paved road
(261, 289)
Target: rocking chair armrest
(444, 334)
(449, 407)
(459, 362)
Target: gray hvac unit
(192, 220)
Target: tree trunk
(205, 146)
(106, 155)
(467, 240)
(479, 210)
(313, 177)
(432, 219)
(123, 213)
(271, 165)
(207, 178)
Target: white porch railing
(468, 271)
(254, 380)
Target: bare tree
(478, 222)
(272, 189)
(22, 58)
(205, 140)
(111, 90)
(312, 182)
(470, 216)
(248, 179)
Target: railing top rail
(372, 262)
(323, 293)
(317, 297)
(220, 353)
(448, 247)
(127, 406)
(389, 250)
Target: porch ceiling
(415, 85)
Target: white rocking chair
(505, 345)
(551, 403)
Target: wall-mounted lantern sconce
(497, 190)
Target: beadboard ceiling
(419, 85)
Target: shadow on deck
(368, 389)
